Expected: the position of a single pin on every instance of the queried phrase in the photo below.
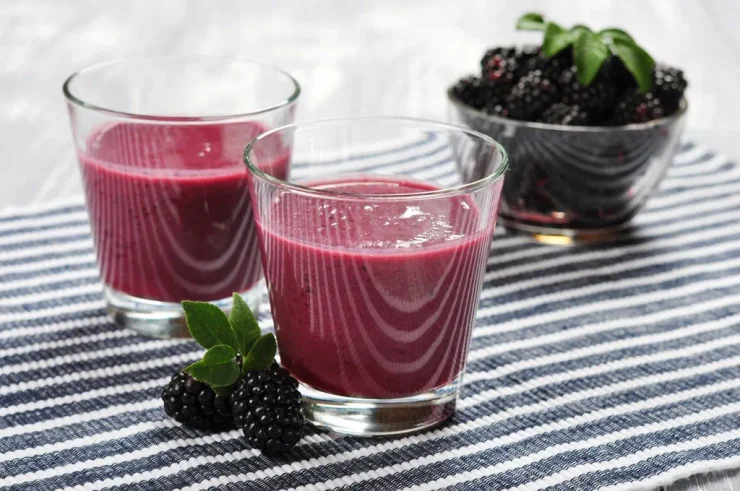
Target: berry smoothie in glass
(374, 271)
(160, 143)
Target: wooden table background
(351, 58)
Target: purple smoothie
(376, 298)
(170, 210)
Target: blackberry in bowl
(589, 137)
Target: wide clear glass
(160, 143)
(374, 249)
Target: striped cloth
(590, 368)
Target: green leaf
(218, 355)
(222, 375)
(208, 324)
(243, 323)
(589, 53)
(556, 39)
(531, 21)
(578, 30)
(638, 62)
(222, 391)
(611, 34)
(261, 355)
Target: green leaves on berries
(218, 355)
(589, 53)
(639, 63)
(218, 367)
(244, 324)
(261, 355)
(556, 39)
(591, 49)
(612, 34)
(531, 22)
(208, 324)
(224, 338)
(577, 31)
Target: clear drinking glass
(374, 250)
(160, 143)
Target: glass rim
(76, 100)
(442, 192)
(682, 109)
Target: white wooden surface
(351, 57)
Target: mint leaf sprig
(591, 49)
(224, 338)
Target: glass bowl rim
(683, 108)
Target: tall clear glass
(374, 250)
(160, 143)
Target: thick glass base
(566, 234)
(163, 319)
(380, 417)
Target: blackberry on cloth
(195, 404)
(267, 405)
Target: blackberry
(493, 57)
(195, 404)
(499, 72)
(635, 107)
(615, 71)
(501, 68)
(598, 98)
(470, 92)
(502, 60)
(527, 52)
(266, 404)
(560, 113)
(669, 85)
(532, 94)
(551, 68)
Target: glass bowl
(573, 184)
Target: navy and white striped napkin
(590, 368)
